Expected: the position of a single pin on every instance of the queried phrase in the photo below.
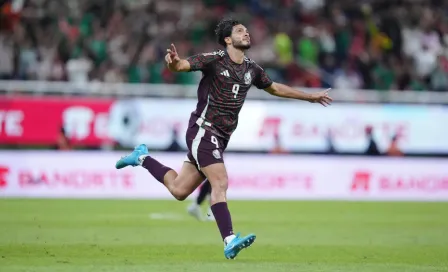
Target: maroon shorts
(204, 147)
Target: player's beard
(240, 45)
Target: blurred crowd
(346, 44)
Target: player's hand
(172, 58)
(322, 98)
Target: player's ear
(228, 40)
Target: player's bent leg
(180, 185)
(183, 184)
(205, 190)
(210, 216)
(194, 209)
(233, 244)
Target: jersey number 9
(235, 89)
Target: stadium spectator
(63, 141)
(384, 44)
(347, 78)
(372, 148)
(175, 145)
(394, 149)
(278, 147)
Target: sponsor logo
(79, 179)
(268, 181)
(59, 174)
(11, 123)
(4, 171)
(367, 181)
(225, 73)
(361, 181)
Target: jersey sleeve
(262, 79)
(202, 62)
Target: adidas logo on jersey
(225, 73)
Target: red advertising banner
(28, 120)
(262, 125)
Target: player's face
(240, 37)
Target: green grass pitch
(130, 235)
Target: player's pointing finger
(173, 48)
(168, 58)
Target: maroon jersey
(223, 89)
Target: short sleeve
(201, 62)
(262, 79)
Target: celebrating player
(227, 77)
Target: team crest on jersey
(216, 154)
(247, 78)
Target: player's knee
(179, 194)
(181, 197)
(220, 185)
(219, 191)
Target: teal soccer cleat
(133, 158)
(232, 249)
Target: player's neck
(235, 55)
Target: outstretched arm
(174, 62)
(282, 90)
(199, 62)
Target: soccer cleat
(133, 158)
(195, 211)
(234, 247)
(210, 216)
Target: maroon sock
(223, 219)
(157, 170)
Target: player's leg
(210, 216)
(207, 150)
(180, 185)
(195, 208)
(217, 175)
(205, 189)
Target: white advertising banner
(301, 126)
(93, 175)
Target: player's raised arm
(174, 62)
(262, 81)
(200, 62)
(285, 91)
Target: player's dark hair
(224, 29)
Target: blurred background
(369, 44)
(90, 75)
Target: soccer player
(227, 76)
(195, 208)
